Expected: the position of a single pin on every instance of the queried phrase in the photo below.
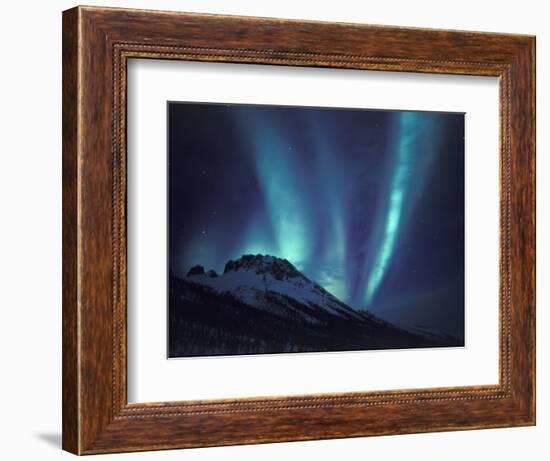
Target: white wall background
(30, 227)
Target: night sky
(368, 203)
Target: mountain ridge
(251, 275)
(263, 304)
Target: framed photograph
(281, 230)
(283, 190)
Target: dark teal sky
(369, 204)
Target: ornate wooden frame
(97, 43)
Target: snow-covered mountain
(273, 284)
(263, 304)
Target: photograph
(313, 229)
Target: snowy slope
(259, 280)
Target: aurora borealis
(368, 203)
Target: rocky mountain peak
(196, 270)
(199, 270)
(279, 268)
